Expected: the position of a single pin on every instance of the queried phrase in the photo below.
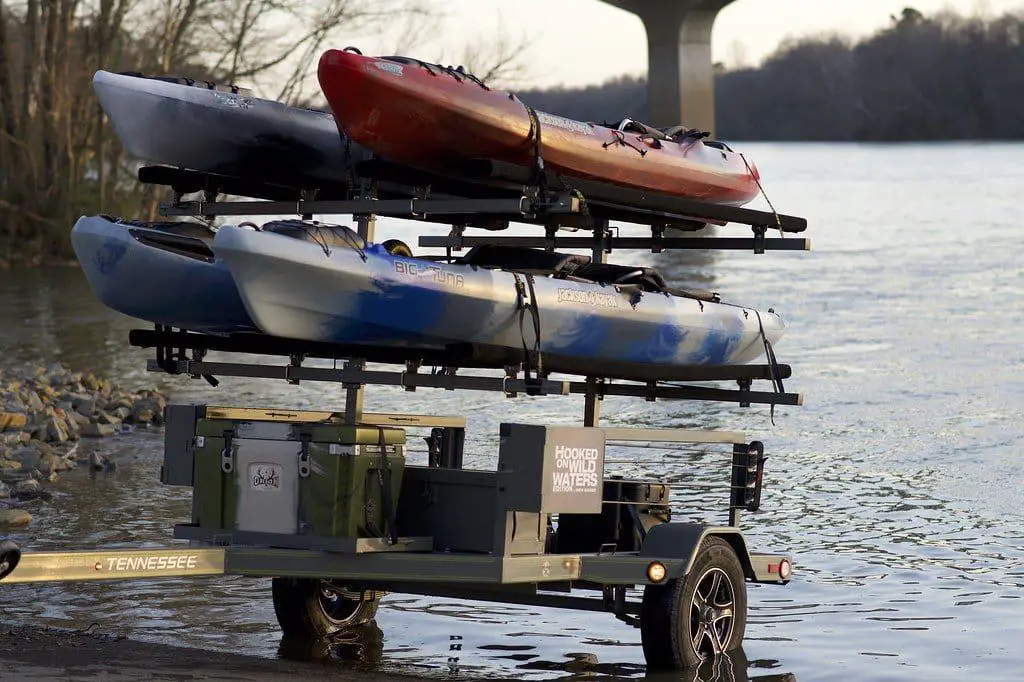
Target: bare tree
(499, 59)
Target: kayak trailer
(327, 504)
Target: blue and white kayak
(357, 293)
(165, 273)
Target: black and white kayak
(560, 305)
(224, 130)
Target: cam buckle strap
(227, 463)
(304, 464)
(384, 477)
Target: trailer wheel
(704, 614)
(315, 608)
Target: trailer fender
(678, 543)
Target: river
(897, 486)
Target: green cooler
(323, 478)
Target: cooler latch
(227, 461)
(304, 455)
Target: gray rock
(29, 485)
(14, 517)
(98, 462)
(57, 430)
(78, 419)
(12, 403)
(34, 402)
(120, 401)
(85, 407)
(123, 412)
(5, 492)
(50, 463)
(98, 430)
(107, 418)
(72, 426)
(142, 414)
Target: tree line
(59, 160)
(921, 78)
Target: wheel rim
(712, 613)
(338, 609)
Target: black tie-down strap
(538, 157)
(527, 300)
(772, 363)
(540, 179)
(384, 479)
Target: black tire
(10, 555)
(685, 621)
(317, 608)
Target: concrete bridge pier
(680, 73)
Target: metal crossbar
(655, 244)
(450, 381)
(398, 208)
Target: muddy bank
(28, 653)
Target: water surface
(897, 487)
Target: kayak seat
(184, 238)
(647, 279)
(628, 125)
(330, 236)
(524, 259)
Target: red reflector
(773, 568)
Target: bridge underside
(680, 73)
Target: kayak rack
(288, 494)
(183, 353)
(581, 204)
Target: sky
(582, 42)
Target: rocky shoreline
(44, 413)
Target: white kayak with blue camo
(331, 286)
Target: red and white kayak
(433, 117)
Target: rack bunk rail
(585, 204)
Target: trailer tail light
(656, 572)
(785, 569)
(747, 476)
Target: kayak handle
(628, 276)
